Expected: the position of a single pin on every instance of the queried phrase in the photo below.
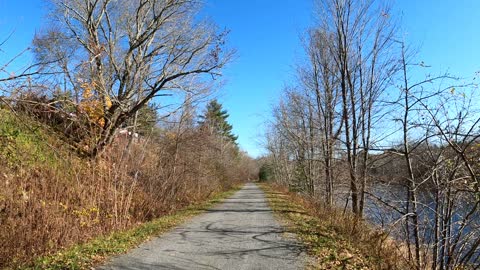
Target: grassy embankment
(62, 211)
(333, 239)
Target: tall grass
(50, 198)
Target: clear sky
(266, 34)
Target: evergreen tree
(146, 119)
(215, 120)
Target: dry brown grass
(50, 198)
(336, 240)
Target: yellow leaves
(108, 102)
(86, 211)
(453, 91)
(23, 194)
(171, 135)
(64, 206)
(88, 89)
(87, 217)
(92, 104)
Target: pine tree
(215, 120)
(146, 119)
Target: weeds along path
(240, 233)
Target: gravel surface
(240, 233)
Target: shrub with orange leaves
(92, 104)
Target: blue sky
(266, 34)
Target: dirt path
(240, 233)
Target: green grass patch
(86, 255)
(24, 141)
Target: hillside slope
(51, 198)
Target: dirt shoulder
(333, 239)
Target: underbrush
(84, 256)
(334, 239)
(52, 199)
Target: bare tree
(448, 125)
(319, 81)
(294, 124)
(130, 52)
(361, 34)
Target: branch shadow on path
(240, 233)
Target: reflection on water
(386, 207)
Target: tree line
(359, 128)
